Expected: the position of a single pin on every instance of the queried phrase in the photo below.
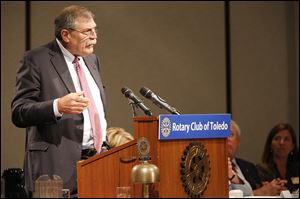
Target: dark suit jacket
(53, 145)
(250, 172)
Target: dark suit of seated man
(250, 173)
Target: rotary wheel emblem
(166, 127)
(143, 146)
(195, 169)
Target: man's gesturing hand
(73, 103)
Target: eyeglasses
(87, 32)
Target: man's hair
(66, 19)
(236, 126)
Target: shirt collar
(69, 56)
(234, 161)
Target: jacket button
(80, 127)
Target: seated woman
(118, 136)
(280, 157)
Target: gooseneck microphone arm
(130, 95)
(161, 103)
(134, 107)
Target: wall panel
(260, 79)
(12, 49)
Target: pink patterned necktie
(92, 109)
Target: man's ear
(65, 35)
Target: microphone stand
(134, 107)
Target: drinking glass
(123, 192)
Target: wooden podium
(100, 175)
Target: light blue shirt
(246, 187)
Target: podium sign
(194, 126)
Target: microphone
(146, 92)
(129, 94)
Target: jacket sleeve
(27, 107)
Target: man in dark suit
(53, 104)
(243, 175)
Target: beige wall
(176, 49)
(12, 49)
(264, 78)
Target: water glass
(123, 192)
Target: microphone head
(146, 92)
(126, 91)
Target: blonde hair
(118, 136)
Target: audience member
(118, 136)
(243, 175)
(280, 159)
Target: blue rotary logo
(166, 127)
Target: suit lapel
(61, 67)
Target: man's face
(82, 39)
(233, 142)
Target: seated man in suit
(243, 175)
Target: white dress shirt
(87, 141)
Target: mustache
(92, 42)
